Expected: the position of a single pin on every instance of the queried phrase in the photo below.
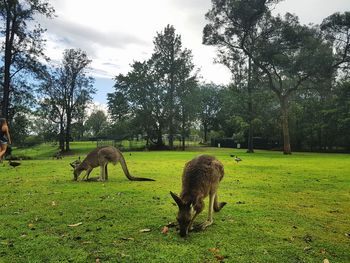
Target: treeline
(290, 83)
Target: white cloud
(114, 33)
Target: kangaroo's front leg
(87, 174)
(198, 208)
(190, 226)
(209, 221)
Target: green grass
(280, 209)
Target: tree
(173, 66)
(287, 53)
(52, 104)
(78, 86)
(210, 105)
(65, 93)
(23, 45)
(140, 96)
(97, 122)
(336, 28)
(156, 93)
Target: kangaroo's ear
(72, 164)
(177, 199)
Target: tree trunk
(205, 129)
(9, 37)
(183, 130)
(171, 99)
(250, 108)
(68, 130)
(61, 135)
(159, 137)
(285, 126)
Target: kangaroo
(101, 156)
(201, 177)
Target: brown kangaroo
(101, 156)
(201, 177)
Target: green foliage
(20, 129)
(159, 93)
(31, 141)
(64, 94)
(279, 209)
(22, 48)
(97, 123)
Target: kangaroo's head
(184, 216)
(77, 168)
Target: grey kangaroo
(201, 177)
(101, 156)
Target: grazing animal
(101, 156)
(57, 155)
(201, 177)
(14, 164)
(237, 159)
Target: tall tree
(52, 103)
(156, 93)
(65, 93)
(139, 95)
(22, 45)
(336, 28)
(170, 62)
(78, 86)
(287, 53)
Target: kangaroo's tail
(127, 174)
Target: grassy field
(280, 209)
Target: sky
(114, 33)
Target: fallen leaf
(323, 251)
(325, 261)
(77, 224)
(101, 217)
(171, 224)
(307, 248)
(214, 250)
(219, 257)
(165, 230)
(97, 260)
(127, 238)
(145, 230)
(53, 203)
(307, 238)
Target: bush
(32, 141)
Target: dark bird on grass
(14, 164)
(237, 159)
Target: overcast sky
(114, 33)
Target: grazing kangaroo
(101, 156)
(201, 177)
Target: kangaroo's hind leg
(218, 206)
(102, 171)
(106, 172)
